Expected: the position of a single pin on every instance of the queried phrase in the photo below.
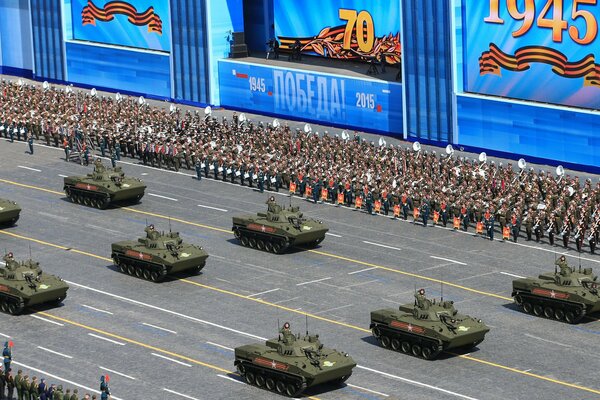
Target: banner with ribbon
(91, 13)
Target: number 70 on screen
(525, 10)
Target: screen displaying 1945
(133, 23)
(539, 50)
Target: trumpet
(577, 235)
(550, 227)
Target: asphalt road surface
(175, 339)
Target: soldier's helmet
(422, 292)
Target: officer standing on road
(30, 143)
(488, 219)
(7, 353)
(425, 210)
(113, 158)
(198, 167)
(66, 148)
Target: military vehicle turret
(278, 229)
(290, 363)
(9, 212)
(103, 187)
(23, 284)
(158, 254)
(426, 328)
(567, 295)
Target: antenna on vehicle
(306, 324)
(31, 258)
(415, 294)
(555, 269)
(169, 224)
(580, 262)
(442, 290)
(279, 335)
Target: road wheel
(250, 378)
(12, 308)
(405, 347)
(277, 248)
(427, 353)
(146, 274)
(252, 242)
(527, 307)
(570, 317)
(139, 272)
(123, 267)
(86, 201)
(269, 247)
(4, 306)
(416, 350)
(559, 314)
(395, 344)
(548, 312)
(538, 310)
(518, 299)
(260, 381)
(236, 233)
(291, 390)
(94, 203)
(154, 276)
(385, 342)
(131, 270)
(260, 245)
(244, 241)
(376, 332)
(270, 383)
(280, 387)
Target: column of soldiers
(32, 389)
(389, 180)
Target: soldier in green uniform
(18, 380)
(58, 393)
(75, 395)
(565, 270)
(25, 387)
(33, 389)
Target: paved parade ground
(175, 339)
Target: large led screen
(538, 50)
(134, 23)
(342, 29)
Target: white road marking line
(31, 169)
(165, 310)
(212, 208)
(47, 320)
(333, 234)
(219, 257)
(3, 335)
(425, 385)
(333, 309)
(144, 173)
(221, 346)
(382, 245)
(548, 250)
(229, 378)
(367, 390)
(265, 292)
(100, 228)
(513, 275)
(546, 340)
(116, 373)
(63, 176)
(315, 281)
(97, 309)
(170, 359)
(54, 352)
(449, 260)
(180, 394)
(49, 375)
(159, 328)
(527, 370)
(162, 197)
(107, 339)
(362, 270)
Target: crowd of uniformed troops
(32, 389)
(389, 180)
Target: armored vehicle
(9, 212)
(567, 295)
(426, 328)
(278, 229)
(156, 255)
(23, 284)
(103, 187)
(291, 363)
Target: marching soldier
(579, 235)
(369, 200)
(488, 220)
(261, 182)
(425, 211)
(30, 143)
(515, 226)
(464, 217)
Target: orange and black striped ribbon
(493, 60)
(91, 13)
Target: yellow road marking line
(466, 357)
(31, 187)
(144, 345)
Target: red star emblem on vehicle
(410, 327)
(273, 364)
(141, 256)
(89, 187)
(263, 228)
(553, 294)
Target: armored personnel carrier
(567, 295)
(23, 284)
(426, 328)
(290, 363)
(156, 255)
(103, 187)
(278, 229)
(9, 212)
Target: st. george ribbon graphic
(91, 13)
